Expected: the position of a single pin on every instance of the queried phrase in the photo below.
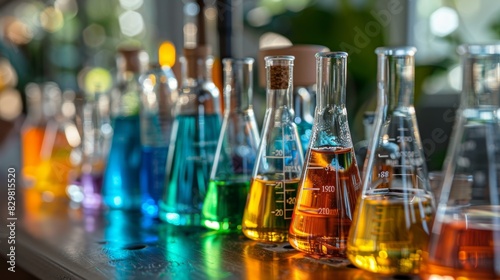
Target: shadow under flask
(465, 238)
(195, 132)
(270, 202)
(391, 224)
(330, 183)
(236, 150)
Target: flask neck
(481, 80)
(238, 84)
(331, 71)
(396, 77)
(279, 71)
(197, 64)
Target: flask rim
(290, 58)
(244, 60)
(396, 51)
(331, 55)
(479, 49)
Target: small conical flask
(195, 133)
(270, 202)
(60, 138)
(158, 97)
(391, 224)
(330, 182)
(465, 239)
(236, 150)
(121, 185)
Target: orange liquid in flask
(326, 202)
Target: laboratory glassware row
(168, 151)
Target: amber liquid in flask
(330, 183)
(269, 207)
(465, 238)
(391, 224)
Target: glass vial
(465, 239)
(158, 97)
(391, 224)
(269, 207)
(194, 139)
(330, 182)
(87, 188)
(32, 133)
(121, 185)
(236, 150)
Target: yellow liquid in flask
(392, 231)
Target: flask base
(222, 226)
(266, 235)
(181, 219)
(322, 247)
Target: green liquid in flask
(224, 204)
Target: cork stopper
(304, 73)
(132, 59)
(279, 77)
(279, 71)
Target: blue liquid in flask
(188, 167)
(153, 173)
(121, 188)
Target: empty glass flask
(465, 239)
(269, 207)
(391, 224)
(236, 150)
(330, 182)
(195, 133)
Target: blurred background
(61, 41)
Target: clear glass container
(194, 139)
(330, 183)
(391, 224)
(465, 239)
(275, 178)
(121, 183)
(158, 97)
(236, 150)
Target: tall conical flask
(391, 224)
(195, 133)
(330, 182)
(121, 183)
(270, 202)
(465, 239)
(236, 150)
(158, 97)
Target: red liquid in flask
(468, 248)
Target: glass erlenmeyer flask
(330, 182)
(158, 97)
(465, 239)
(276, 174)
(236, 150)
(391, 224)
(121, 186)
(192, 147)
